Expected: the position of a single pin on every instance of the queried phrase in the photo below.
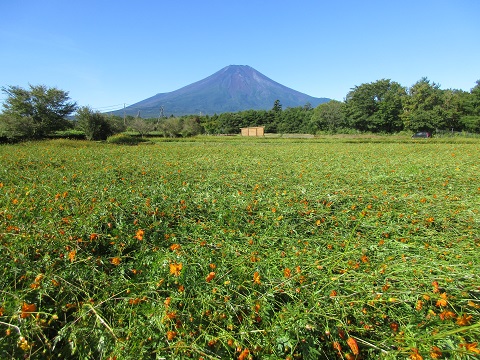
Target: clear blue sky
(107, 53)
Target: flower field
(231, 248)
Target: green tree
(453, 108)
(423, 107)
(294, 120)
(277, 107)
(142, 126)
(329, 116)
(171, 127)
(375, 106)
(211, 124)
(94, 124)
(37, 111)
(192, 126)
(275, 117)
(470, 118)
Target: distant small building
(253, 131)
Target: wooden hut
(253, 131)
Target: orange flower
(39, 278)
(353, 345)
(174, 247)
(464, 320)
(256, 278)
(71, 255)
(445, 315)
(2, 310)
(435, 353)
(210, 276)
(171, 335)
(244, 354)
(442, 301)
(171, 315)
(116, 261)
(337, 346)
(175, 269)
(139, 234)
(93, 236)
(135, 301)
(415, 355)
(472, 304)
(471, 347)
(27, 309)
(287, 273)
(212, 342)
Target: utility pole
(161, 115)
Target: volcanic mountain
(233, 88)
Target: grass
(240, 248)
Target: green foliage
(124, 139)
(277, 107)
(376, 106)
(471, 123)
(108, 251)
(383, 106)
(423, 107)
(94, 124)
(142, 126)
(192, 126)
(16, 128)
(35, 113)
(329, 117)
(69, 134)
(294, 120)
(171, 127)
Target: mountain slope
(233, 88)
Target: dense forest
(383, 106)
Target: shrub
(123, 139)
(94, 124)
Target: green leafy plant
(123, 139)
(231, 248)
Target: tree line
(383, 106)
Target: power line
(109, 108)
